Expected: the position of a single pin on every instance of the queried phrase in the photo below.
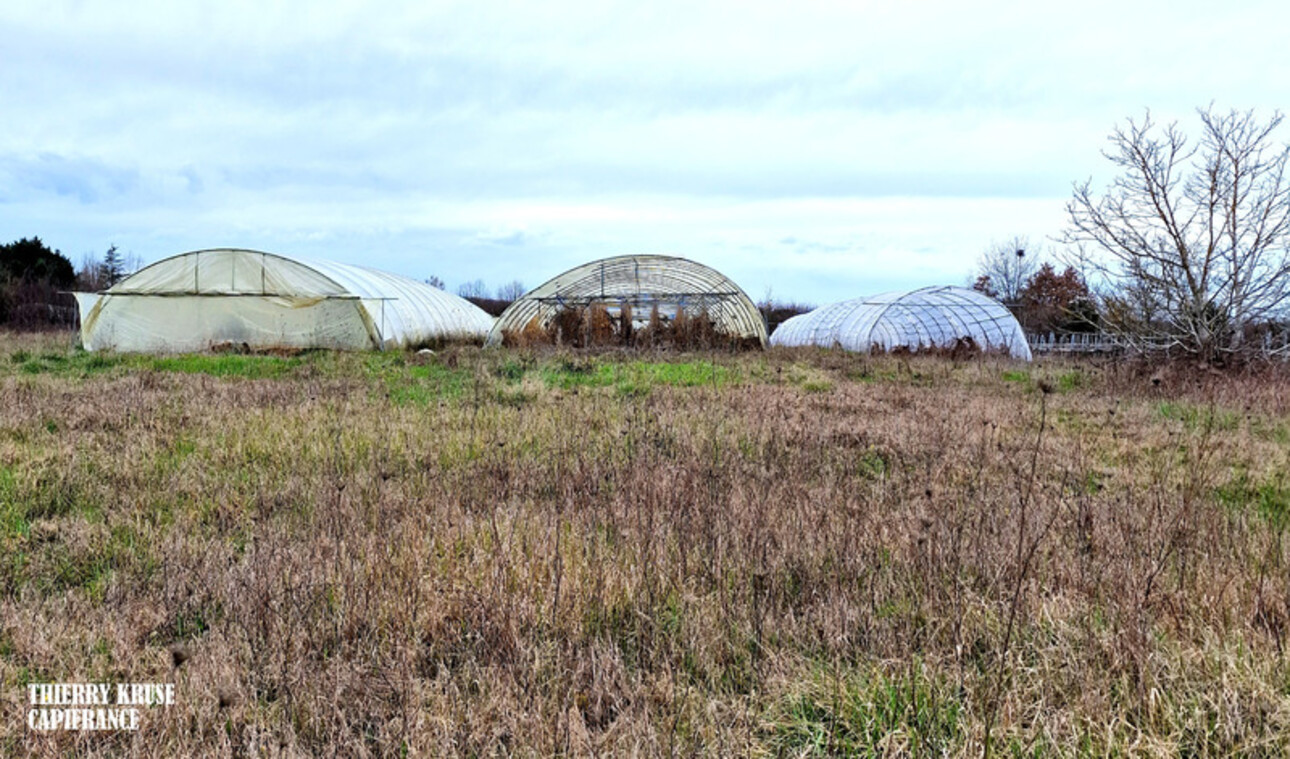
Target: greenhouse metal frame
(252, 299)
(642, 282)
(927, 318)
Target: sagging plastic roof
(641, 281)
(932, 317)
(201, 299)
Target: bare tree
(511, 291)
(90, 276)
(435, 282)
(1194, 240)
(475, 289)
(1004, 268)
(99, 274)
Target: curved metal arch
(927, 317)
(401, 310)
(640, 280)
(164, 277)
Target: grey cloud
(88, 180)
(363, 76)
(798, 181)
(289, 127)
(564, 177)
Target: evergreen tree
(33, 261)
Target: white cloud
(892, 141)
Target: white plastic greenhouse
(209, 298)
(644, 284)
(933, 317)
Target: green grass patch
(174, 455)
(1269, 499)
(810, 379)
(1072, 380)
(77, 363)
(511, 370)
(1270, 429)
(54, 567)
(867, 373)
(1195, 417)
(13, 517)
(92, 363)
(872, 715)
(80, 363)
(872, 465)
(635, 377)
(249, 367)
(428, 384)
(46, 495)
(45, 363)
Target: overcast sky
(821, 150)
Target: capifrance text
(93, 706)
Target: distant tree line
(36, 282)
(476, 291)
(98, 274)
(776, 312)
(33, 283)
(1043, 300)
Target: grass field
(490, 553)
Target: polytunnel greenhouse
(926, 319)
(634, 300)
(209, 299)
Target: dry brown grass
(789, 553)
